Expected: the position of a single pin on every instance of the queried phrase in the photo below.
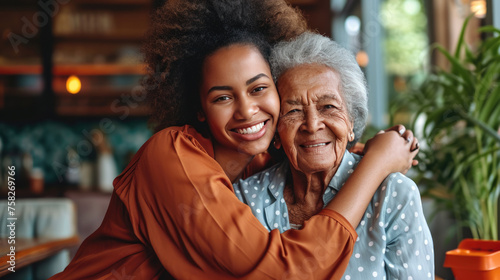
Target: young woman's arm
(384, 154)
(181, 204)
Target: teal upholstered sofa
(40, 218)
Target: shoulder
(401, 193)
(398, 183)
(267, 175)
(165, 151)
(172, 164)
(260, 182)
(396, 193)
(175, 140)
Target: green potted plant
(459, 110)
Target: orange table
(31, 250)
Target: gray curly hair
(309, 48)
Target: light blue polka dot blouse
(394, 241)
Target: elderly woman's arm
(384, 154)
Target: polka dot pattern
(394, 241)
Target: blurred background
(71, 105)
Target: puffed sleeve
(182, 205)
(410, 251)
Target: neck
(304, 194)
(233, 162)
(308, 188)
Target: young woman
(173, 213)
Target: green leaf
(461, 37)
(482, 125)
(456, 66)
(460, 163)
(489, 28)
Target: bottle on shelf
(106, 165)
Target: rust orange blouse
(173, 215)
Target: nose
(246, 108)
(312, 121)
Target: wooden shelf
(95, 40)
(35, 69)
(99, 69)
(76, 69)
(95, 92)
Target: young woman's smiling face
(239, 100)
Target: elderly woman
(323, 114)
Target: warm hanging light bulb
(478, 8)
(73, 84)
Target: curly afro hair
(184, 33)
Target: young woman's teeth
(252, 129)
(315, 145)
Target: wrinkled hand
(408, 135)
(397, 146)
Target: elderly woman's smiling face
(314, 126)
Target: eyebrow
(251, 80)
(322, 98)
(219, 88)
(248, 82)
(327, 97)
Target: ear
(277, 141)
(201, 116)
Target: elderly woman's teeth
(252, 129)
(315, 145)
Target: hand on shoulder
(393, 149)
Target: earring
(351, 136)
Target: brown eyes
(257, 89)
(293, 111)
(323, 107)
(226, 97)
(221, 99)
(329, 106)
